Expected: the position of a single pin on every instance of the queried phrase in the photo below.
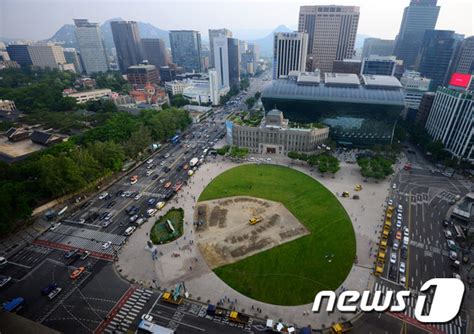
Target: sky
(40, 19)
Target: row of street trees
(324, 162)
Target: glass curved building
(361, 111)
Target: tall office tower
(379, 65)
(127, 43)
(47, 55)
(186, 49)
(450, 121)
(214, 86)
(248, 62)
(154, 50)
(255, 48)
(377, 46)
(91, 46)
(20, 54)
(424, 108)
(436, 55)
(227, 61)
(331, 33)
(419, 16)
(71, 56)
(289, 53)
(465, 60)
(214, 33)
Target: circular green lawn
(292, 273)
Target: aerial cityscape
(237, 167)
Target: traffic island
(168, 227)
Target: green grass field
(292, 273)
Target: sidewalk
(135, 262)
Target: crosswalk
(453, 327)
(83, 238)
(30, 255)
(446, 196)
(129, 312)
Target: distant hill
(66, 37)
(266, 43)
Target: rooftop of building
(142, 66)
(344, 88)
(381, 58)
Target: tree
(257, 95)
(250, 102)
(178, 100)
(138, 141)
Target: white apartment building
(331, 33)
(414, 86)
(90, 95)
(176, 86)
(289, 53)
(46, 55)
(451, 120)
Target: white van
(130, 230)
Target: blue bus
(14, 304)
(175, 139)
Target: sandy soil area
(226, 236)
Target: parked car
(448, 234)
(77, 272)
(398, 236)
(4, 280)
(133, 218)
(393, 258)
(130, 230)
(54, 226)
(103, 195)
(70, 253)
(111, 204)
(402, 267)
(45, 291)
(453, 255)
(85, 255)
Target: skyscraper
(71, 56)
(377, 46)
(226, 60)
(46, 55)
(91, 46)
(214, 33)
(20, 54)
(450, 121)
(331, 33)
(436, 54)
(214, 87)
(289, 53)
(419, 16)
(127, 43)
(154, 50)
(186, 49)
(465, 61)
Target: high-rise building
(379, 65)
(214, 33)
(248, 62)
(424, 108)
(154, 50)
(377, 46)
(186, 49)
(331, 33)
(255, 48)
(419, 16)
(20, 54)
(465, 60)
(47, 55)
(289, 53)
(227, 61)
(214, 87)
(91, 46)
(450, 121)
(140, 75)
(71, 56)
(436, 55)
(167, 73)
(414, 86)
(349, 66)
(127, 43)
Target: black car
(103, 215)
(393, 272)
(119, 193)
(86, 204)
(47, 290)
(166, 169)
(404, 253)
(70, 253)
(73, 258)
(111, 204)
(179, 168)
(154, 177)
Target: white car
(402, 279)
(149, 172)
(151, 212)
(106, 245)
(455, 275)
(448, 234)
(402, 267)
(394, 186)
(106, 223)
(393, 258)
(54, 226)
(81, 221)
(149, 161)
(399, 223)
(390, 202)
(406, 231)
(406, 241)
(399, 216)
(138, 197)
(130, 230)
(3, 261)
(453, 255)
(400, 208)
(103, 195)
(396, 245)
(147, 317)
